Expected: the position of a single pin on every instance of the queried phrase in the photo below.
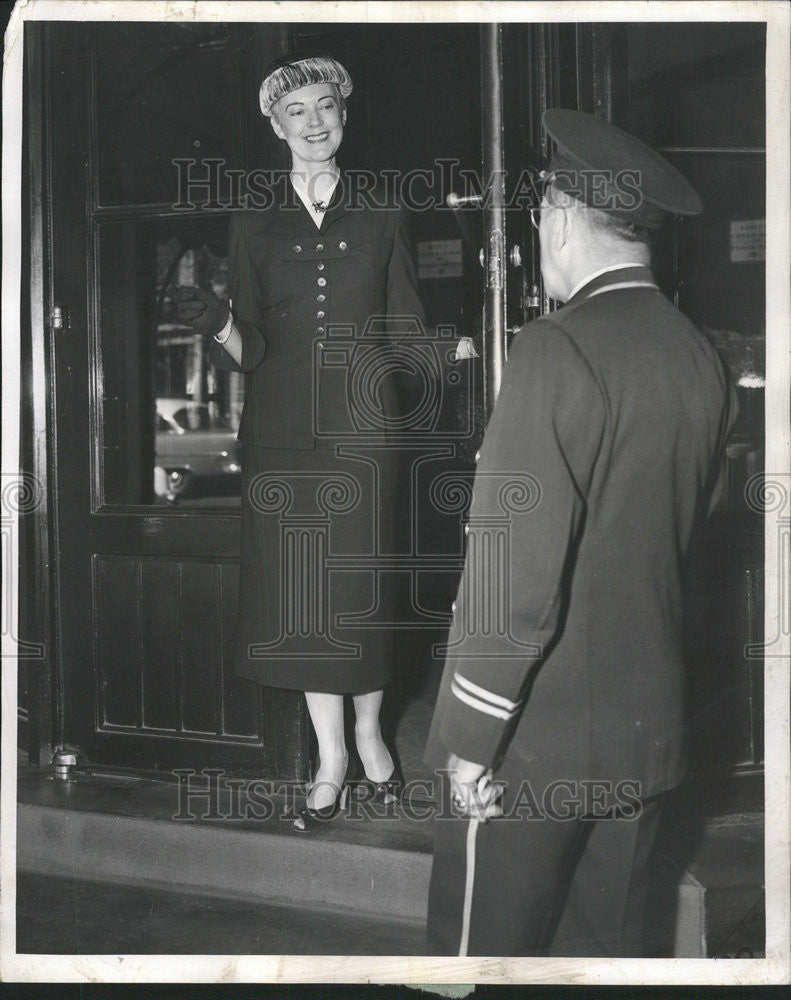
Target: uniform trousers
(541, 886)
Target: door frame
(37, 542)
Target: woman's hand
(201, 310)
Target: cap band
(611, 170)
(617, 193)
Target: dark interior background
(177, 91)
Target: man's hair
(613, 226)
(602, 224)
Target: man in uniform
(560, 721)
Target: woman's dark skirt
(314, 613)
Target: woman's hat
(606, 168)
(301, 69)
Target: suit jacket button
(320, 314)
(297, 248)
(319, 330)
(321, 346)
(320, 265)
(320, 298)
(322, 282)
(319, 247)
(343, 245)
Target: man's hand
(203, 311)
(473, 792)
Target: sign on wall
(748, 240)
(439, 259)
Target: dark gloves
(203, 311)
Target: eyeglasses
(535, 218)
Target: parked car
(196, 449)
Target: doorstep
(124, 830)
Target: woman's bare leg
(326, 714)
(374, 754)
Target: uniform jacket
(309, 304)
(614, 412)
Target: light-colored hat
(301, 69)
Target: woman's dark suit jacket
(310, 305)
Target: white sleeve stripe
(480, 706)
(480, 692)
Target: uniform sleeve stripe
(480, 692)
(480, 706)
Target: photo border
(775, 968)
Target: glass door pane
(167, 420)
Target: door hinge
(64, 761)
(59, 318)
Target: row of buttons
(342, 245)
(321, 281)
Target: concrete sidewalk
(112, 864)
(79, 917)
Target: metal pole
(494, 348)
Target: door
(142, 123)
(526, 69)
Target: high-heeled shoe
(383, 793)
(307, 820)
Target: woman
(308, 265)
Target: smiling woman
(307, 266)
(304, 96)
(311, 122)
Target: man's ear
(276, 127)
(564, 224)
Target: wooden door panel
(164, 649)
(145, 591)
(159, 593)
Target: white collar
(595, 274)
(300, 185)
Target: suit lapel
(338, 206)
(302, 220)
(299, 217)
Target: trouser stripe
(469, 885)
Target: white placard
(748, 240)
(439, 259)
